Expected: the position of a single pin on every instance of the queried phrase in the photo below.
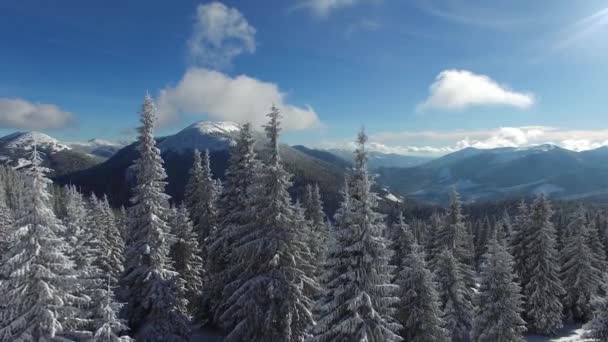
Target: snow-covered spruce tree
(108, 326)
(519, 244)
(153, 308)
(596, 243)
(112, 260)
(434, 245)
(270, 303)
(418, 309)
(597, 328)
(403, 243)
(543, 291)
(313, 209)
(454, 236)
(186, 257)
(6, 219)
(235, 214)
(359, 298)
(580, 277)
(201, 198)
(498, 315)
(39, 276)
(454, 297)
(84, 249)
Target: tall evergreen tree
(543, 290)
(454, 296)
(580, 277)
(498, 316)
(403, 243)
(111, 260)
(313, 210)
(39, 276)
(597, 328)
(153, 307)
(596, 243)
(186, 257)
(270, 303)
(235, 214)
(358, 301)
(519, 244)
(201, 198)
(418, 309)
(109, 326)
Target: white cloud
(222, 97)
(459, 89)
(323, 8)
(220, 34)
(442, 142)
(21, 114)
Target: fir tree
(580, 277)
(270, 302)
(403, 243)
(519, 244)
(358, 301)
(454, 296)
(185, 254)
(109, 327)
(418, 309)
(111, 260)
(498, 316)
(596, 243)
(201, 197)
(597, 328)
(153, 307)
(543, 290)
(39, 277)
(234, 215)
(313, 210)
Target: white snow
(95, 143)
(202, 135)
(569, 333)
(222, 127)
(26, 140)
(393, 198)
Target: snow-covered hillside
(201, 135)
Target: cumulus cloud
(459, 89)
(222, 97)
(21, 114)
(220, 34)
(442, 142)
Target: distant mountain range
(504, 173)
(378, 159)
(15, 150)
(115, 177)
(478, 174)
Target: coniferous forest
(244, 258)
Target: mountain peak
(26, 140)
(212, 135)
(211, 127)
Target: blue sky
(423, 76)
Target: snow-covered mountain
(488, 174)
(97, 147)
(201, 135)
(16, 148)
(378, 160)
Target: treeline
(243, 256)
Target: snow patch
(26, 140)
(393, 198)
